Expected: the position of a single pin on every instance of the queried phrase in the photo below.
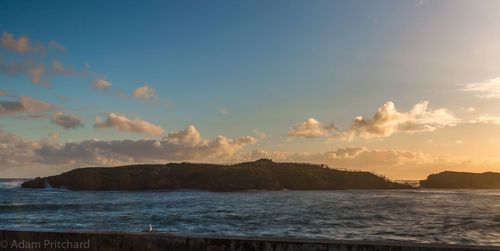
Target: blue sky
(236, 67)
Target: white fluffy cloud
(185, 145)
(387, 121)
(486, 89)
(102, 84)
(145, 93)
(66, 121)
(189, 136)
(23, 104)
(124, 124)
(311, 128)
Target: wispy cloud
(420, 3)
(57, 46)
(31, 63)
(30, 68)
(23, 104)
(259, 134)
(486, 119)
(486, 89)
(223, 111)
(60, 69)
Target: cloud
(23, 104)
(347, 157)
(419, 3)
(125, 124)
(20, 45)
(385, 122)
(57, 46)
(388, 121)
(486, 119)
(31, 66)
(23, 44)
(189, 136)
(145, 93)
(48, 156)
(260, 135)
(101, 84)
(311, 128)
(33, 70)
(54, 135)
(58, 68)
(223, 111)
(36, 73)
(397, 164)
(184, 145)
(66, 121)
(15, 151)
(486, 89)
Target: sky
(401, 88)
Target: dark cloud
(23, 104)
(66, 121)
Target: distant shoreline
(263, 174)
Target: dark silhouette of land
(262, 174)
(462, 180)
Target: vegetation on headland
(262, 174)
(462, 180)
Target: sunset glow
(404, 91)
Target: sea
(423, 216)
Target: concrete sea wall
(30, 240)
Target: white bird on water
(149, 230)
